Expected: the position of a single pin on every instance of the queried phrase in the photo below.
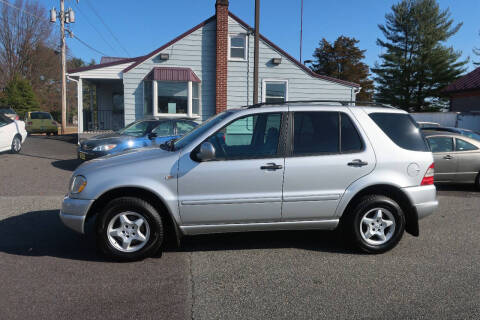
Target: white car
(12, 134)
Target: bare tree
(24, 28)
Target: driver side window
(255, 136)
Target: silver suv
(293, 166)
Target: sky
(129, 28)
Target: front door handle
(271, 166)
(357, 163)
(448, 157)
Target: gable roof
(103, 65)
(168, 44)
(138, 60)
(470, 81)
(292, 59)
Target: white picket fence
(451, 119)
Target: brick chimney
(221, 9)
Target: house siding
(195, 51)
(301, 85)
(465, 101)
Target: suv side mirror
(152, 135)
(206, 152)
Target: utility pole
(65, 17)
(256, 53)
(64, 62)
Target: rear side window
(4, 120)
(315, 132)
(351, 141)
(462, 145)
(401, 129)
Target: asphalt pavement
(48, 271)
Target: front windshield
(136, 129)
(199, 130)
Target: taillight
(428, 177)
(29, 123)
(17, 118)
(54, 123)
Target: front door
(328, 155)
(444, 157)
(243, 183)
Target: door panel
(7, 132)
(468, 166)
(314, 183)
(444, 157)
(229, 191)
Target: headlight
(78, 184)
(105, 147)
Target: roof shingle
(470, 81)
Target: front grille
(86, 147)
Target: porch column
(190, 99)
(155, 97)
(80, 105)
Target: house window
(174, 98)
(237, 47)
(275, 91)
(147, 98)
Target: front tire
(16, 144)
(129, 229)
(376, 224)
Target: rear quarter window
(401, 129)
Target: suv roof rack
(341, 102)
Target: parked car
(136, 135)
(423, 124)
(291, 166)
(41, 122)
(10, 113)
(457, 157)
(12, 134)
(464, 132)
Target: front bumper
(74, 212)
(423, 198)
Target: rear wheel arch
(171, 227)
(393, 192)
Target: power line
(93, 26)
(88, 46)
(106, 26)
(20, 9)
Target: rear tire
(16, 144)
(129, 229)
(477, 181)
(376, 224)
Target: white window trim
(245, 52)
(264, 87)
(189, 113)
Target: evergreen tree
(343, 60)
(416, 64)
(18, 95)
(476, 51)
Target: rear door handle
(357, 163)
(448, 157)
(271, 166)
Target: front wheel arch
(173, 233)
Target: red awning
(172, 74)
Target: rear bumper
(423, 198)
(74, 212)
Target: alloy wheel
(377, 226)
(128, 231)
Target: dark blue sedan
(138, 134)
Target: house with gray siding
(204, 71)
